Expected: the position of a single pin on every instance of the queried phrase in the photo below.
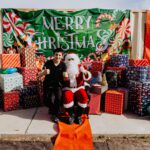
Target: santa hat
(72, 55)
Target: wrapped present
(41, 98)
(28, 58)
(112, 77)
(97, 64)
(10, 100)
(138, 73)
(119, 60)
(125, 101)
(116, 77)
(96, 79)
(9, 82)
(40, 91)
(96, 88)
(29, 97)
(117, 68)
(40, 85)
(114, 102)
(29, 75)
(138, 62)
(29, 90)
(94, 104)
(10, 60)
(139, 97)
(31, 101)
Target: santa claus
(74, 87)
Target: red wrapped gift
(94, 104)
(97, 64)
(138, 62)
(117, 68)
(29, 75)
(96, 88)
(41, 98)
(40, 85)
(125, 101)
(40, 90)
(10, 100)
(10, 60)
(114, 102)
(28, 57)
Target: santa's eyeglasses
(71, 59)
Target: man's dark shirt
(55, 78)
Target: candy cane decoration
(7, 25)
(10, 21)
(6, 22)
(87, 62)
(8, 40)
(101, 17)
(28, 29)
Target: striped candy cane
(101, 17)
(12, 22)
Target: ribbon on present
(138, 62)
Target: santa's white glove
(83, 70)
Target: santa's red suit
(74, 86)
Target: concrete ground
(37, 121)
(34, 124)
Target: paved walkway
(32, 129)
(36, 121)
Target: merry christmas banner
(101, 31)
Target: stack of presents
(20, 88)
(127, 82)
(129, 85)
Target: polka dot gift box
(9, 82)
(119, 60)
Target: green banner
(101, 31)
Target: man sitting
(74, 87)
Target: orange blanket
(147, 38)
(74, 137)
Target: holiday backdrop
(101, 31)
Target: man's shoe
(54, 118)
(78, 120)
(71, 120)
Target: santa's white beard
(73, 71)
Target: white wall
(138, 20)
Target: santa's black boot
(78, 118)
(71, 115)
